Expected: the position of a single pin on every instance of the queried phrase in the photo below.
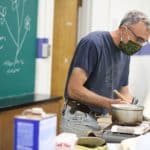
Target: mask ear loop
(127, 33)
(121, 38)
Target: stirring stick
(121, 96)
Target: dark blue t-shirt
(106, 66)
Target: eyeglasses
(139, 39)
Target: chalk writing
(1, 47)
(2, 38)
(18, 39)
(2, 41)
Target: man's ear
(123, 32)
(122, 28)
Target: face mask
(129, 48)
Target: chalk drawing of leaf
(27, 23)
(15, 4)
(3, 12)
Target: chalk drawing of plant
(23, 25)
(3, 12)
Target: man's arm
(126, 93)
(77, 91)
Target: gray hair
(134, 17)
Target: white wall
(106, 15)
(45, 30)
(84, 18)
(139, 78)
(100, 15)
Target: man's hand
(116, 101)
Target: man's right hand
(117, 101)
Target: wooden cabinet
(50, 105)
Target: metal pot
(127, 114)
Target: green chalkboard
(18, 26)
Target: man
(100, 65)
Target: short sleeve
(86, 55)
(125, 74)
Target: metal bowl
(127, 114)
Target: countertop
(25, 100)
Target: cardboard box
(34, 132)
